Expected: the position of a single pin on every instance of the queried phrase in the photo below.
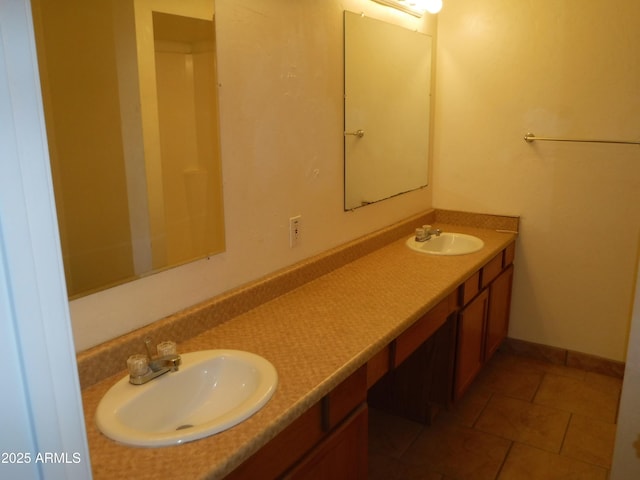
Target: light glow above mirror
(414, 7)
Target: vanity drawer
(509, 255)
(301, 436)
(426, 326)
(344, 398)
(378, 365)
(492, 269)
(272, 460)
(469, 288)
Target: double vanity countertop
(315, 335)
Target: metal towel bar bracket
(530, 137)
(357, 133)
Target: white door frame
(43, 431)
(626, 455)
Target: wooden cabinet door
(470, 345)
(343, 454)
(272, 460)
(499, 306)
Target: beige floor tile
(590, 441)
(519, 408)
(467, 409)
(390, 435)
(382, 467)
(514, 382)
(529, 463)
(458, 452)
(409, 472)
(397, 470)
(510, 361)
(586, 398)
(535, 425)
(604, 383)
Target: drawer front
(420, 331)
(272, 460)
(378, 366)
(343, 454)
(491, 270)
(344, 398)
(509, 254)
(283, 451)
(470, 289)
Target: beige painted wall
(280, 70)
(556, 68)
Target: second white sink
(447, 244)
(212, 391)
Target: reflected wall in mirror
(130, 96)
(387, 109)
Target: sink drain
(182, 427)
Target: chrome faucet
(156, 365)
(425, 232)
(435, 232)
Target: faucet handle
(147, 346)
(137, 365)
(167, 348)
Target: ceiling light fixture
(432, 6)
(413, 7)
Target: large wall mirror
(131, 109)
(387, 109)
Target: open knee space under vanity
(521, 418)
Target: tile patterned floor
(522, 419)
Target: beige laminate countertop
(315, 336)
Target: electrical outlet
(294, 230)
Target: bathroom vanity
(389, 327)
(424, 369)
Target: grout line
(504, 460)
(535, 394)
(566, 431)
(414, 440)
(473, 424)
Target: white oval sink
(212, 391)
(447, 244)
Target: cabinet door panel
(272, 460)
(470, 348)
(499, 305)
(341, 455)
